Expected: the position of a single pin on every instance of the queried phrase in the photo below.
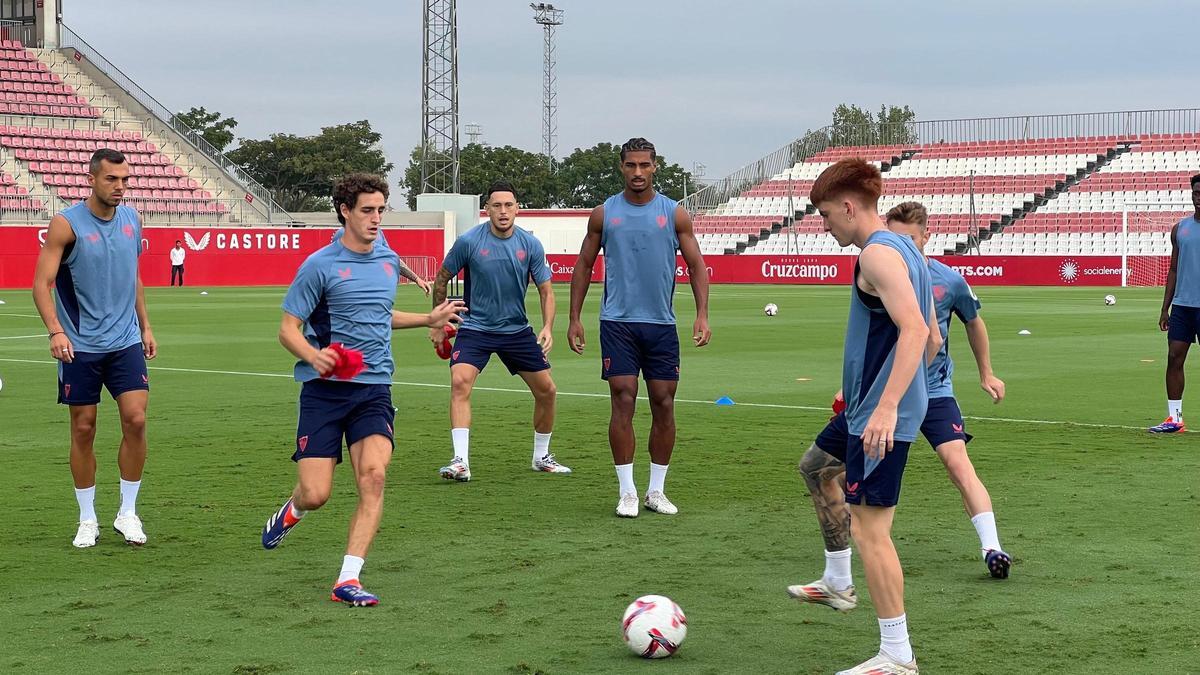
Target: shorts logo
(662, 221)
(607, 364)
(676, 370)
(344, 272)
(302, 442)
(851, 488)
(145, 380)
(521, 254)
(66, 391)
(389, 428)
(956, 427)
(454, 356)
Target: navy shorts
(520, 351)
(80, 380)
(1184, 325)
(882, 487)
(627, 348)
(944, 422)
(331, 411)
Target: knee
(820, 470)
(312, 497)
(134, 423)
(662, 407)
(83, 427)
(460, 386)
(546, 394)
(371, 480)
(961, 471)
(624, 399)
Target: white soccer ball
(1110, 299)
(654, 627)
(771, 309)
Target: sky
(708, 81)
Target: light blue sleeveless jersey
(96, 286)
(871, 348)
(952, 296)
(1187, 268)
(639, 245)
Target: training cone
(725, 400)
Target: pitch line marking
(780, 406)
(21, 337)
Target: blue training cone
(725, 400)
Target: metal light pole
(548, 17)
(439, 97)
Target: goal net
(1145, 241)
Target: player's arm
(449, 311)
(291, 336)
(977, 337)
(149, 345)
(58, 237)
(456, 259)
(546, 335)
(1164, 318)
(582, 278)
(884, 269)
(689, 248)
(934, 344)
(407, 273)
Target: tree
(588, 177)
(210, 125)
(300, 170)
(853, 125)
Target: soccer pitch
(518, 572)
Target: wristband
(53, 333)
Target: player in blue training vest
(943, 426)
(343, 294)
(889, 335)
(498, 260)
(1180, 316)
(405, 270)
(640, 230)
(100, 334)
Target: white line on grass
(27, 316)
(433, 385)
(21, 337)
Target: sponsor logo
(484, 252)
(979, 270)
(559, 268)
(851, 488)
(797, 270)
(145, 380)
(344, 272)
(303, 443)
(197, 245)
(1068, 271)
(956, 427)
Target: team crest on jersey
(939, 292)
(387, 267)
(93, 237)
(521, 254)
(303, 443)
(128, 230)
(661, 220)
(614, 221)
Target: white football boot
(87, 534)
(130, 527)
(656, 501)
(882, 664)
(820, 592)
(628, 506)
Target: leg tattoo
(825, 476)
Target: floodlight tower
(439, 97)
(548, 17)
(474, 131)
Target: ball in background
(1110, 299)
(771, 309)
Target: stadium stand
(1041, 196)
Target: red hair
(849, 176)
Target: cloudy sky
(709, 81)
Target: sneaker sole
(664, 513)
(450, 476)
(626, 515)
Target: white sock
(129, 493)
(541, 445)
(351, 568)
(658, 476)
(625, 477)
(985, 525)
(893, 638)
(837, 569)
(296, 512)
(462, 443)
(87, 503)
(1175, 410)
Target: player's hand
(61, 348)
(1164, 321)
(878, 436)
(546, 340)
(425, 286)
(149, 346)
(449, 311)
(324, 361)
(700, 332)
(994, 386)
(436, 335)
(575, 338)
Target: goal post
(1145, 241)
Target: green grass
(523, 573)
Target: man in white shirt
(177, 255)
